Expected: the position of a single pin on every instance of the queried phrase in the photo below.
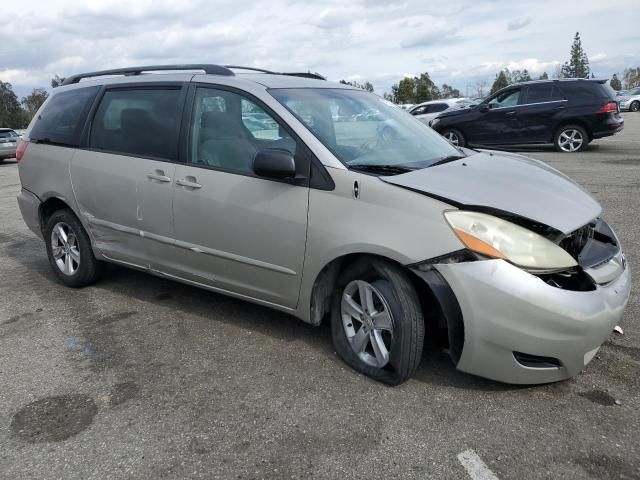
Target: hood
(454, 112)
(509, 183)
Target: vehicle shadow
(211, 308)
(8, 162)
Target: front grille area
(576, 241)
(591, 245)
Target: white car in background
(630, 100)
(427, 111)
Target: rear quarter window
(588, 92)
(63, 117)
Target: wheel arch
(49, 207)
(440, 314)
(572, 121)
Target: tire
(635, 106)
(77, 269)
(400, 331)
(454, 137)
(571, 139)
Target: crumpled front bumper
(507, 310)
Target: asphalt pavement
(140, 377)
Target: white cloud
(518, 23)
(376, 40)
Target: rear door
(540, 104)
(123, 177)
(236, 231)
(499, 124)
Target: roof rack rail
(314, 76)
(207, 68)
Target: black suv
(568, 113)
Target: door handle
(512, 112)
(188, 183)
(159, 177)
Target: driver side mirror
(484, 108)
(274, 163)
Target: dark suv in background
(568, 113)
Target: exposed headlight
(434, 122)
(497, 238)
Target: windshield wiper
(447, 159)
(384, 169)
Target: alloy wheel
(570, 140)
(635, 106)
(65, 248)
(453, 138)
(368, 322)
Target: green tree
(11, 114)
(56, 81)
(631, 78)
(423, 88)
(544, 76)
(32, 102)
(615, 82)
(406, 91)
(500, 82)
(448, 91)
(578, 64)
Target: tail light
(609, 107)
(22, 147)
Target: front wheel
(455, 138)
(634, 107)
(570, 139)
(69, 250)
(376, 321)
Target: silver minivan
(331, 204)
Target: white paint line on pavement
(475, 467)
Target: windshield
(361, 129)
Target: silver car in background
(249, 184)
(630, 100)
(8, 143)
(427, 111)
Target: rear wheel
(376, 321)
(635, 106)
(454, 137)
(571, 138)
(69, 250)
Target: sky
(458, 42)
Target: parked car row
(630, 99)
(8, 143)
(568, 113)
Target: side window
(228, 130)
(63, 117)
(583, 91)
(505, 99)
(420, 110)
(539, 93)
(438, 107)
(138, 122)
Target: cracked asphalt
(140, 377)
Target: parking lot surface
(140, 377)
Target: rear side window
(543, 92)
(582, 91)
(438, 107)
(140, 122)
(63, 117)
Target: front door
(236, 231)
(497, 125)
